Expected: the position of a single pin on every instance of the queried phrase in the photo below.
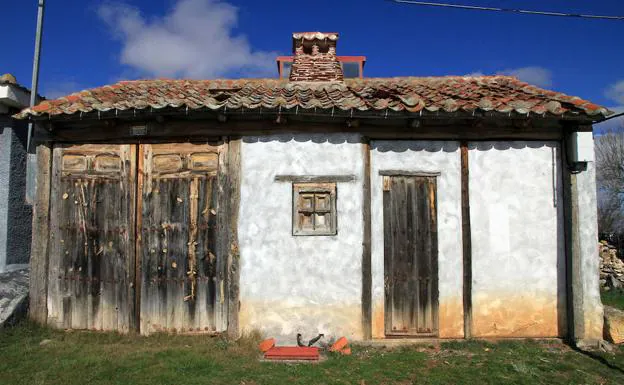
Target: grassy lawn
(613, 297)
(108, 358)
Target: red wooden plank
(292, 353)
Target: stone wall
(611, 267)
(15, 213)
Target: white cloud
(534, 75)
(616, 92)
(538, 76)
(194, 40)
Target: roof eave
(331, 113)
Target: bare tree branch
(610, 181)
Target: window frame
(306, 188)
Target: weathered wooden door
(177, 244)
(133, 237)
(91, 270)
(410, 255)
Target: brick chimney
(315, 58)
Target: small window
(314, 209)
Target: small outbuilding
(319, 202)
(15, 208)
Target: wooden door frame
(433, 183)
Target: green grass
(108, 358)
(613, 297)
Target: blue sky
(97, 43)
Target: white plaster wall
(434, 156)
(516, 210)
(299, 284)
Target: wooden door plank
(39, 258)
(466, 240)
(54, 303)
(126, 291)
(388, 255)
(233, 261)
(80, 256)
(413, 229)
(204, 289)
(109, 299)
(401, 295)
(179, 241)
(424, 257)
(192, 273)
(433, 207)
(367, 307)
(222, 241)
(142, 244)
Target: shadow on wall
(409, 145)
(450, 146)
(506, 145)
(392, 145)
(333, 138)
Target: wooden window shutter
(314, 209)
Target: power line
(508, 10)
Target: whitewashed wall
(516, 210)
(434, 156)
(299, 284)
(311, 284)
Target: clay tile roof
(501, 94)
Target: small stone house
(319, 202)
(15, 211)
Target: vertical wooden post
(466, 240)
(584, 308)
(233, 254)
(40, 233)
(367, 278)
(222, 240)
(570, 218)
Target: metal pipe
(35, 73)
(609, 118)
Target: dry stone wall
(611, 267)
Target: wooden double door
(410, 255)
(134, 231)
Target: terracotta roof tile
(445, 94)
